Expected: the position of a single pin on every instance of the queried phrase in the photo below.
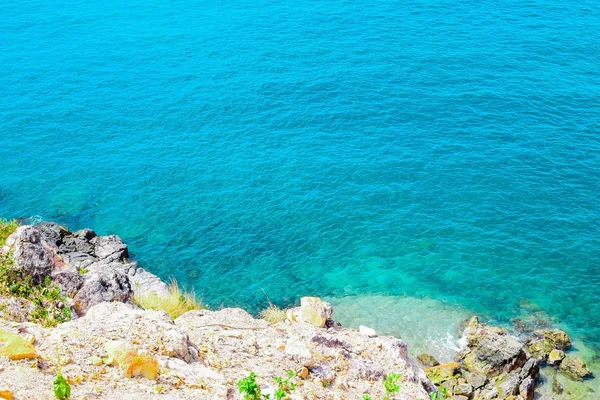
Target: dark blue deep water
(443, 150)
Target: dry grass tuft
(175, 304)
(273, 314)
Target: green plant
(48, 304)
(391, 384)
(175, 303)
(60, 387)
(250, 388)
(285, 386)
(83, 271)
(6, 229)
(441, 394)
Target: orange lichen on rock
(6, 394)
(141, 365)
(15, 347)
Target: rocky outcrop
(88, 268)
(542, 342)
(492, 365)
(119, 351)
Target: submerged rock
(573, 367)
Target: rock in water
(574, 368)
(555, 357)
(443, 373)
(427, 360)
(546, 340)
(495, 364)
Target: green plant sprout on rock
(441, 394)
(49, 305)
(285, 386)
(391, 386)
(60, 387)
(251, 390)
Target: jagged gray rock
(32, 254)
(101, 286)
(89, 268)
(110, 248)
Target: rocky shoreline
(113, 348)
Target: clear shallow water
(347, 149)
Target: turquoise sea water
(352, 150)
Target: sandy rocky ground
(113, 349)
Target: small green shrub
(285, 386)
(441, 394)
(391, 385)
(176, 303)
(251, 390)
(49, 305)
(6, 229)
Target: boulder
(79, 242)
(561, 339)
(100, 286)
(496, 364)
(527, 388)
(442, 373)
(475, 380)
(33, 255)
(366, 331)
(462, 389)
(6, 394)
(52, 233)
(109, 248)
(427, 360)
(69, 280)
(573, 367)
(315, 311)
(543, 341)
(555, 357)
(15, 347)
(494, 353)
